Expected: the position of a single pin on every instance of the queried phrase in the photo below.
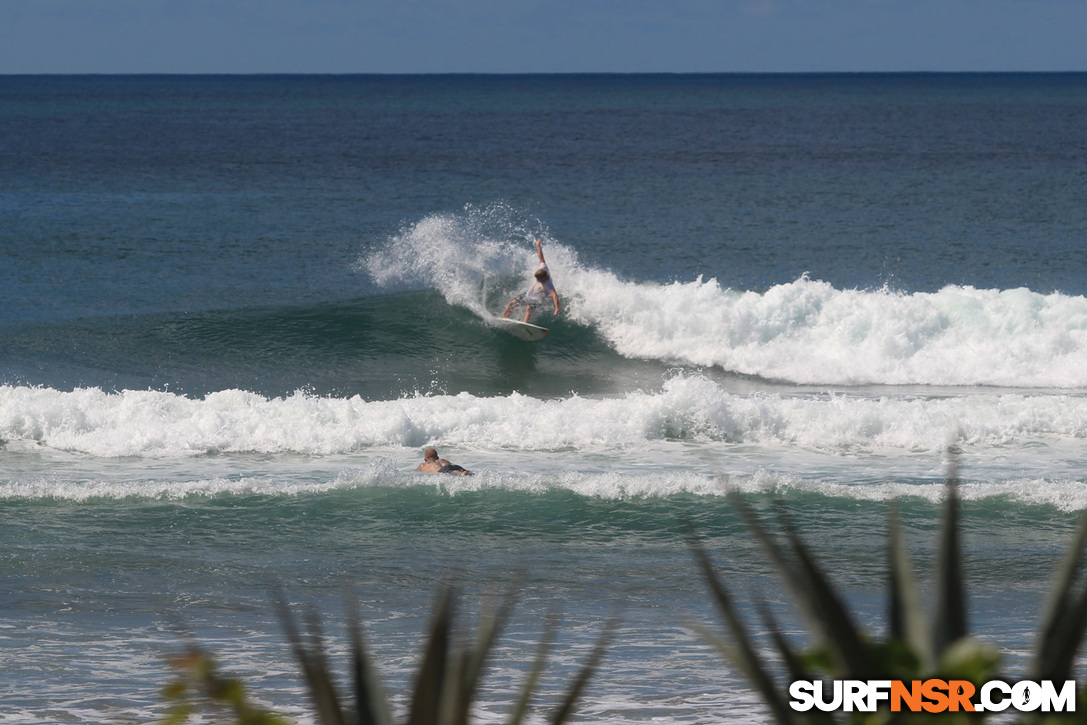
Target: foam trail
(1062, 493)
(687, 408)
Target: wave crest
(686, 409)
(808, 332)
(803, 332)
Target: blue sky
(514, 36)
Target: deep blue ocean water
(234, 310)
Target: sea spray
(471, 257)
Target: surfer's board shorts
(527, 299)
(452, 468)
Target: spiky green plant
(916, 647)
(445, 687)
(199, 685)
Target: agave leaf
(786, 569)
(897, 607)
(371, 704)
(309, 652)
(431, 680)
(812, 594)
(908, 622)
(1068, 634)
(783, 715)
(520, 707)
(452, 707)
(1062, 624)
(563, 712)
(793, 663)
(328, 694)
(840, 633)
(178, 714)
(950, 622)
(491, 624)
(743, 652)
(732, 652)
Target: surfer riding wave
(537, 294)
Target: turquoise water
(234, 310)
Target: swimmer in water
(433, 464)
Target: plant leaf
(491, 624)
(793, 663)
(1059, 616)
(840, 634)
(371, 704)
(907, 618)
(309, 652)
(431, 681)
(546, 638)
(578, 685)
(812, 594)
(743, 652)
(950, 621)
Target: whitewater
(687, 409)
(804, 332)
(799, 386)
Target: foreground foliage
(200, 686)
(917, 647)
(445, 688)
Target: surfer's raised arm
(543, 266)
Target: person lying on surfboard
(433, 464)
(537, 294)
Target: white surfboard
(523, 330)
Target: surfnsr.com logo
(932, 696)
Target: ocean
(235, 310)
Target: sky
(540, 36)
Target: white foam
(611, 485)
(468, 257)
(809, 332)
(153, 489)
(1063, 494)
(804, 331)
(686, 409)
